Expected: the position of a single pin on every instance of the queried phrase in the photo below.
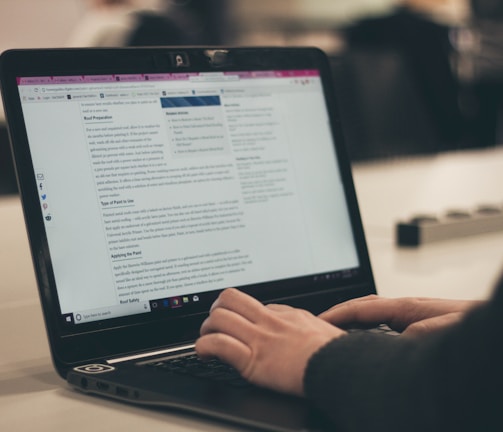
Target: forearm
(446, 381)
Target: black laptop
(153, 178)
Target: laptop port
(122, 392)
(102, 386)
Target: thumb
(433, 324)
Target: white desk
(32, 396)
(395, 190)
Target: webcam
(180, 59)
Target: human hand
(268, 345)
(411, 316)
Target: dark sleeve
(449, 381)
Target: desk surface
(32, 395)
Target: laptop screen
(157, 189)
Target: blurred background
(412, 76)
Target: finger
(230, 323)
(226, 348)
(371, 297)
(368, 310)
(433, 324)
(238, 302)
(279, 307)
(344, 305)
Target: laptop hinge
(173, 350)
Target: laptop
(153, 178)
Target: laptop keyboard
(210, 369)
(215, 369)
(382, 328)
